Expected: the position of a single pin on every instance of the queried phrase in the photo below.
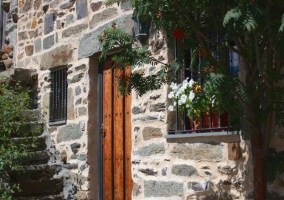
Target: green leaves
(137, 57)
(232, 15)
(14, 102)
(281, 29)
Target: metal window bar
(58, 96)
(195, 74)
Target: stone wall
(51, 33)
(186, 168)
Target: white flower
(171, 95)
(183, 98)
(191, 82)
(174, 86)
(171, 108)
(185, 82)
(191, 95)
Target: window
(58, 96)
(215, 120)
(3, 18)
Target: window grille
(3, 18)
(183, 123)
(58, 96)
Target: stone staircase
(37, 180)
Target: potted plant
(186, 98)
(198, 102)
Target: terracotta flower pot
(195, 124)
(206, 119)
(224, 119)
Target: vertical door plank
(128, 144)
(118, 143)
(108, 131)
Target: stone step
(37, 158)
(38, 141)
(29, 129)
(35, 172)
(40, 188)
(49, 197)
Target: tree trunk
(260, 184)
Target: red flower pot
(206, 119)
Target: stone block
(234, 151)
(80, 67)
(183, 170)
(164, 171)
(152, 149)
(34, 23)
(69, 132)
(37, 4)
(198, 151)
(78, 179)
(96, 6)
(156, 96)
(76, 78)
(69, 19)
(82, 157)
(74, 30)
(48, 23)
(81, 9)
(67, 4)
(59, 56)
(29, 50)
(125, 4)
(136, 189)
(70, 166)
(70, 104)
(198, 186)
(37, 45)
(82, 111)
(103, 16)
(58, 24)
(82, 195)
(226, 169)
(149, 172)
(89, 44)
(151, 132)
(75, 147)
(163, 189)
(45, 8)
(138, 110)
(22, 35)
(33, 34)
(79, 101)
(78, 90)
(157, 107)
(146, 118)
(83, 167)
(26, 7)
(48, 42)
(63, 156)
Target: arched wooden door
(117, 180)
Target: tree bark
(260, 184)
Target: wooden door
(117, 181)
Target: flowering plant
(186, 98)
